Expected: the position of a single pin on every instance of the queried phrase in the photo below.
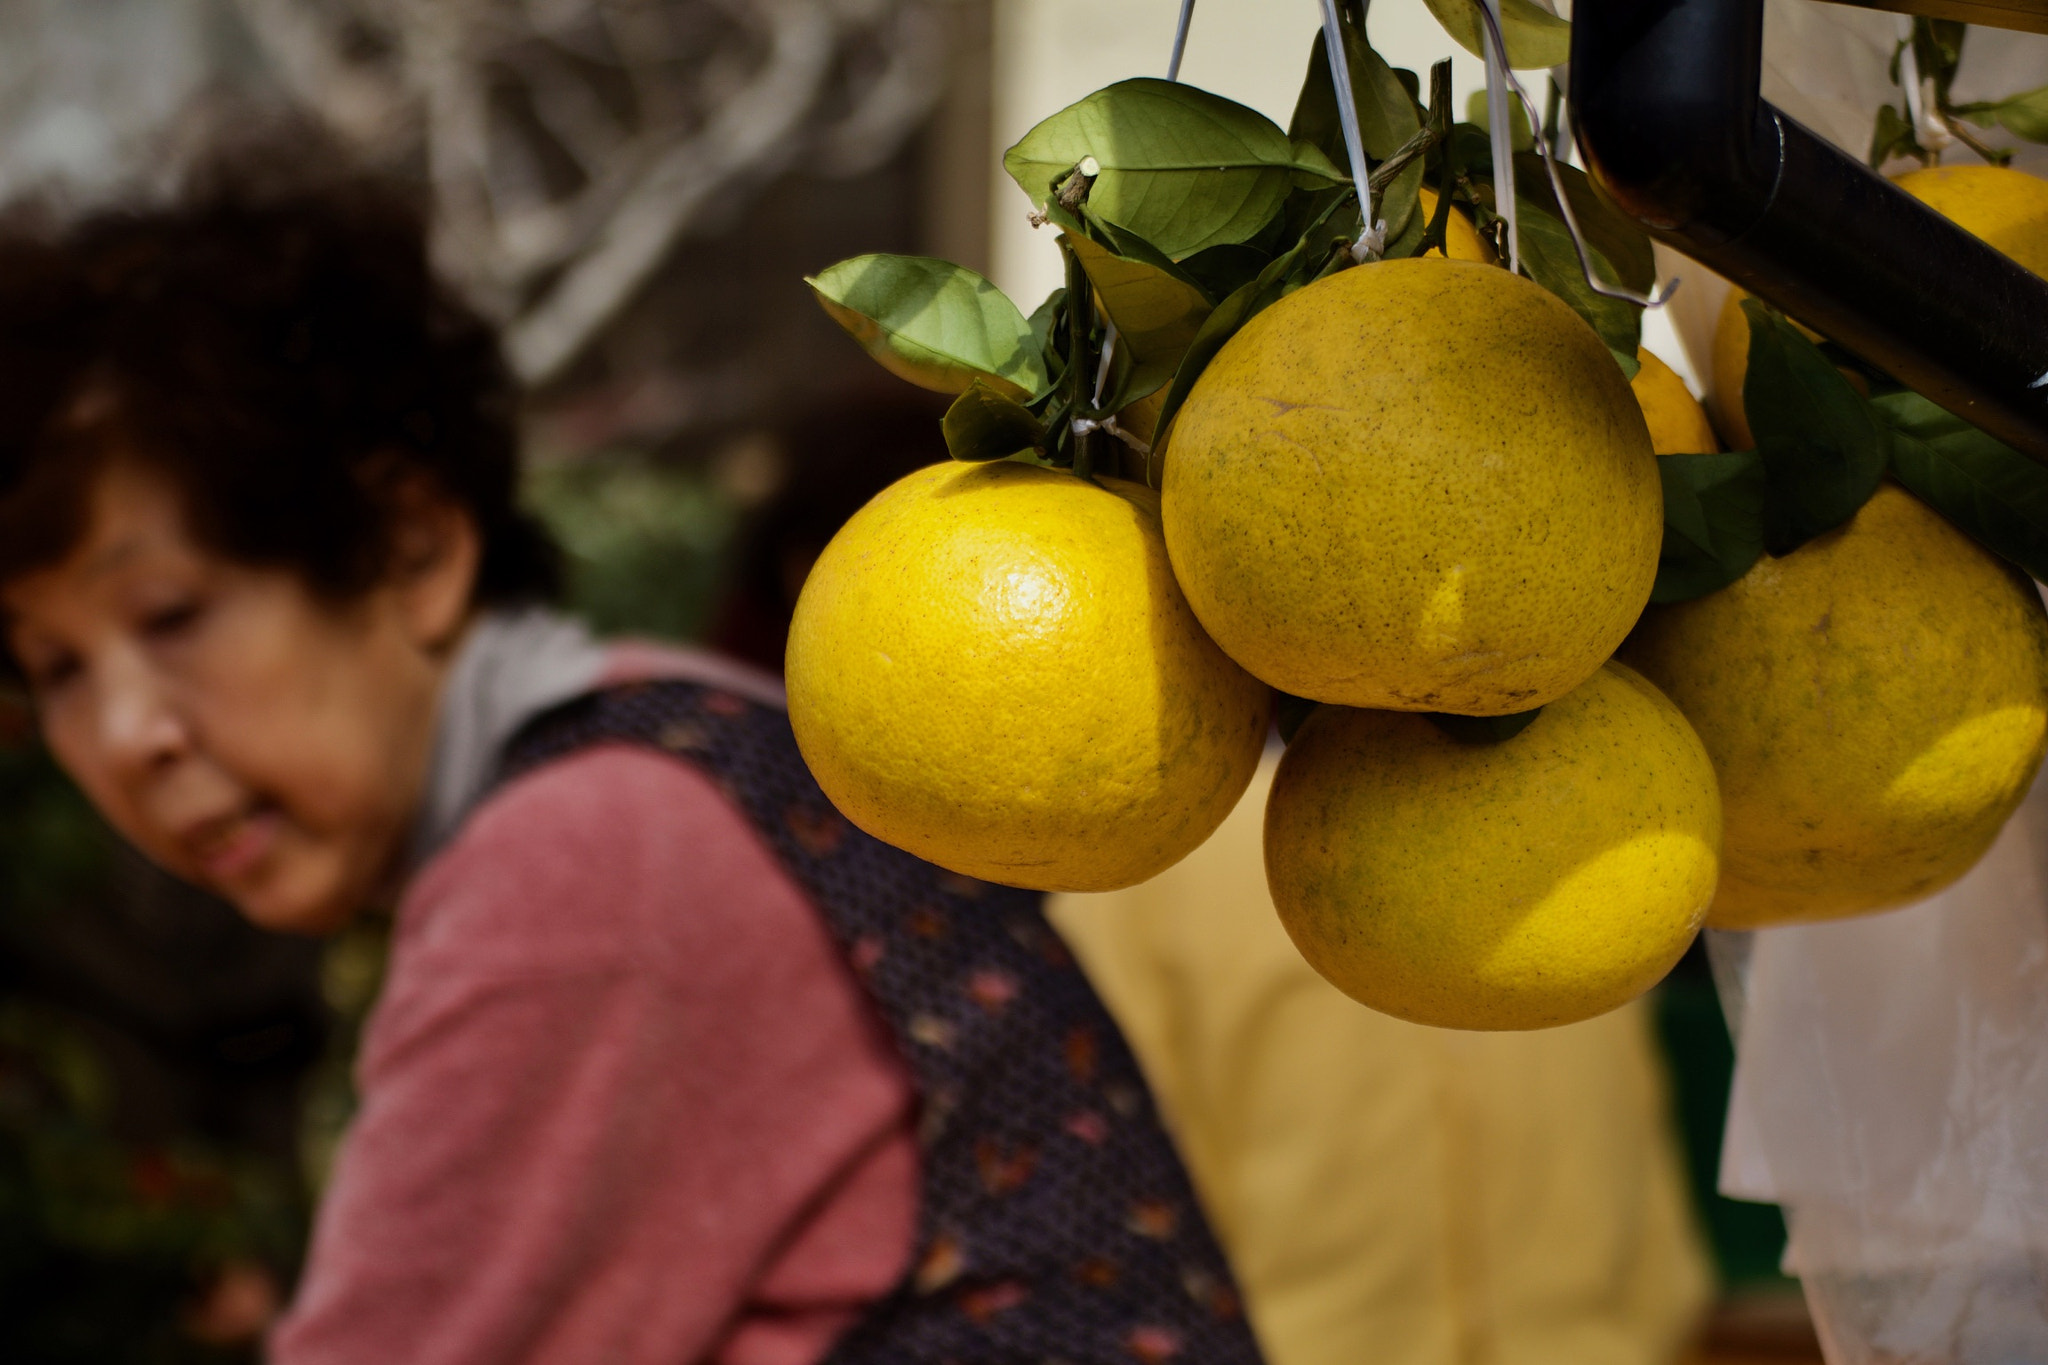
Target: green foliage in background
(644, 541)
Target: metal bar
(1665, 104)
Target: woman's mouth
(227, 849)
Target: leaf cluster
(1181, 215)
(1823, 447)
(1937, 46)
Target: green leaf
(1478, 730)
(1823, 451)
(938, 325)
(1180, 167)
(1713, 522)
(1893, 136)
(1387, 118)
(1989, 491)
(1614, 237)
(1551, 260)
(1520, 135)
(984, 425)
(1157, 312)
(1223, 270)
(2024, 116)
(1534, 36)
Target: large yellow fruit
(1536, 881)
(1876, 704)
(992, 667)
(2007, 208)
(1678, 424)
(1421, 485)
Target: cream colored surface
(1391, 1193)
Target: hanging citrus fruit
(1422, 485)
(1537, 880)
(991, 667)
(1876, 703)
(1678, 424)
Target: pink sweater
(623, 1101)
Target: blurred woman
(671, 1064)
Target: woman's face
(245, 734)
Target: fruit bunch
(1419, 485)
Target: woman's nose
(139, 730)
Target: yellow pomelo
(2007, 208)
(1141, 418)
(1678, 424)
(1421, 485)
(1536, 881)
(992, 667)
(1459, 235)
(1876, 704)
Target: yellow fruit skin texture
(2007, 208)
(1678, 424)
(991, 667)
(1875, 702)
(1538, 881)
(1421, 485)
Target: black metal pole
(1666, 107)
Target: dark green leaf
(1989, 491)
(1535, 36)
(1178, 166)
(1713, 522)
(1892, 137)
(1223, 270)
(1387, 118)
(938, 325)
(1823, 451)
(1478, 730)
(1551, 260)
(984, 425)
(1613, 235)
(1290, 713)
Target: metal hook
(1658, 297)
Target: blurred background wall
(635, 189)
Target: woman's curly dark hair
(277, 343)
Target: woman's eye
(48, 674)
(172, 619)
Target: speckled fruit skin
(1537, 881)
(992, 667)
(1421, 485)
(1876, 703)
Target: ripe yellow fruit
(1678, 424)
(1876, 703)
(1537, 881)
(2007, 208)
(1421, 485)
(991, 667)
(1460, 236)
